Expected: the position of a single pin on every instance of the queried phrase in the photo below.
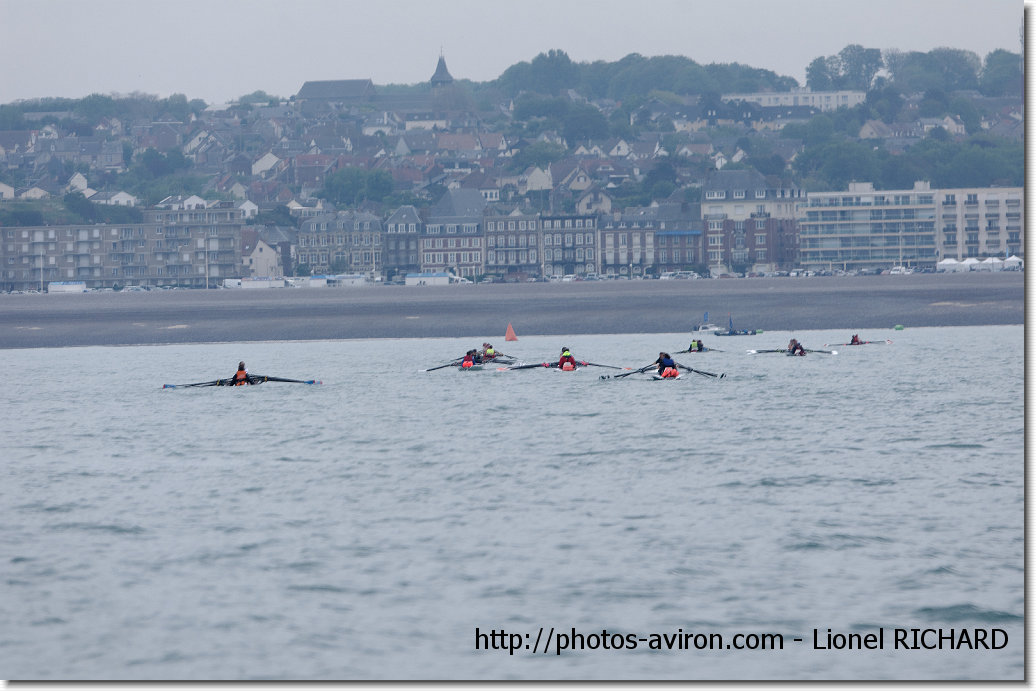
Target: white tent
(995, 264)
(948, 264)
(969, 264)
(1013, 262)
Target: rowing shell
(785, 351)
(863, 343)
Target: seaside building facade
(864, 228)
(346, 242)
(750, 222)
(513, 246)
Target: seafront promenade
(485, 310)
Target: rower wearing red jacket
(566, 361)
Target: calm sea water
(364, 528)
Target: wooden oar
(700, 372)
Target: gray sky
(218, 50)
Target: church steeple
(442, 76)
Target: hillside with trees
(548, 107)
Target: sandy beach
(485, 310)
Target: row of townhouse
(741, 225)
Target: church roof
(442, 76)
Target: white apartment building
(864, 228)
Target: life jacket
(670, 372)
(490, 353)
(468, 361)
(568, 365)
(567, 361)
(240, 378)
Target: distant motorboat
(704, 325)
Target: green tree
(539, 154)
(583, 123)
(95, 106)
(819, 75)
(948, 69)
(833, 165)
(858, 65)
(964, 108)
(1002, 74)
(351, 186)
(934, 103)
(79, 205)
(885, 102)
(345, 186)
(278, 216)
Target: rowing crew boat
(863, 343)
(229, 382)
(785, 351)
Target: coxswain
(566, 361)
(666, 365)
(795, 348)
(241, 376)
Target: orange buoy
(510, 333)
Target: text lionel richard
(913, 638)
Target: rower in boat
(566, 361)
(855, 341)
(471, 359)
(666, 366)
(488, 352)
(795, 348)
(241, 376)
(696, 346)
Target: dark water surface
(367, 527)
